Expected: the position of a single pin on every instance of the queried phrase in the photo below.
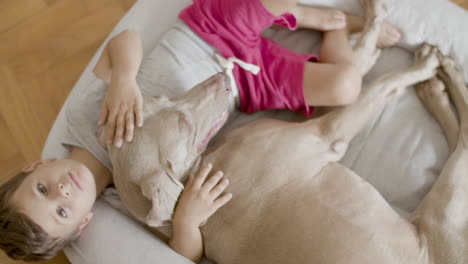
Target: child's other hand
(201, 199)
(121, 110)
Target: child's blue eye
(61, 212)
(41, 188)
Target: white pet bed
(400, 152)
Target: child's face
(57, 195)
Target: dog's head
(176, 131)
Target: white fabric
(437, 22)
(228, 66)
(400, 152)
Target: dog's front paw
(449, 71)
(426, 60)
(433, 94)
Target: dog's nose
(227, 81)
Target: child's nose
(63, 190)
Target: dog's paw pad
(433, 93)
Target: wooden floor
(44, 46)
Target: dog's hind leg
(341, 125)
(441, 218)
(434, 97)
(455, 82)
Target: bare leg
(335, 48)
(334, 81)
(327, 19)
(321, 19)
(338, 84)
(343, 124)
(441, 217)
(389, 36)
(432, 94)
(327, 84)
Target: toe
(339, 15)
(336, 20)
(394, 34)
(386, 42)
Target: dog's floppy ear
(163, 192)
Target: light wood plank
(65, 42)
(39, 99)
(462, 3)
(128, 3)
(58, 81)
(21, 116)
(15, 11)
(36, 30)
(11, 158)
(93, 5)
(52, 2)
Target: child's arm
(198, 202)
(122, 107)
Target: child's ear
(84, 222)
(34, 165)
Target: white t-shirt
(180, 61)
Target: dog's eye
(169, 165)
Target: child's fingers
(218, 189)
(190, 182)
(120, 128)
(139, 113)
(212, 182)
(190, 178)
(218, 203)
(103, 115)
(129, 126)
(200, 178)
(111, 126)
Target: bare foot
(321, 19)
(425, 66)
(389, 35)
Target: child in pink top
(286, 79)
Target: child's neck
(102, 175)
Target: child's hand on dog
(121, 110)
(201, 199)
